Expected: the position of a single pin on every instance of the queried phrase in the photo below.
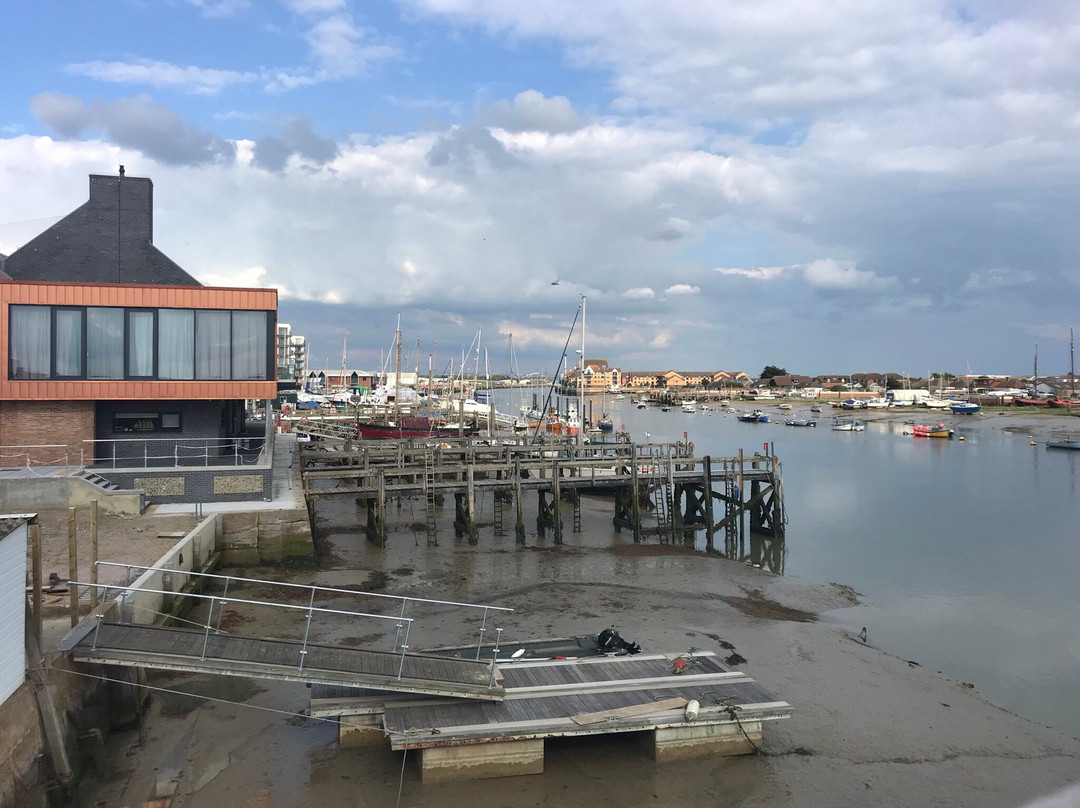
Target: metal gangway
(114, 636)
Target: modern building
(291, 354)
(114, 357)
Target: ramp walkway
(110, 637)
(179, 649)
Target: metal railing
(174, 452)
(406, 601)
(26, 455)
(214, 600)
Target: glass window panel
(249, 345)
(140, 344)
(31, 342)
(104, 343)
(212, 352)
(176, 344)
(69, 347)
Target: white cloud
(641, 293)
(827, 273)
(756, 273)
(682, 289)
(220, 8)
(198, 80)
(994, 279)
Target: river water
(966, 552)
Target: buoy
(1033, 443)
(961, 437)
(692, 709)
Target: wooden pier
(660, 490)
(647, 694)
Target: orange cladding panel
(95, 294)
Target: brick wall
(33, 423)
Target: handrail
(310, 609)
(405, 599)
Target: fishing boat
(939, 431)
(848, 425)
(755, 417)
(965, 407)
(1059, 403)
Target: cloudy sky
(826, 186)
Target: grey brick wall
(199, 420)
(109, 239)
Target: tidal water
(966, 553)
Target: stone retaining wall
(266, 537)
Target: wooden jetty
(666, 482)
(683, 706)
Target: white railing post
(176, 454)
(307, 628)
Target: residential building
(291, 354)
(113, 356)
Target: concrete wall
(190, 553)
(81, 493)
(266, 537)
(33, 494)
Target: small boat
(876, 403)
(815, 407)
(939, 431)
(1066, 441)
(800, 422)
(852, 404)
(755, 417)
(605, 424)
(848, 425)
(784, 406)
(935, 403)
(688, 406)
(665, 408)
(641, 405)
(620, 397)
(606, 643)
(1030, 401)
(965, 408)
(1059, 403)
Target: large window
(104, 343)
(176, 344)
(99, 342)
(31, 342)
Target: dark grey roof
(109, 239)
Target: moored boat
(965, 407)
(1059, 403)
(924, 431)
(800, 422)
(848, 425)
(1064, 441)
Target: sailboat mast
(1035, 384)
(1072, 373)
(581, 380)
(397, 370)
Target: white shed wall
(12, 611)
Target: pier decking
(668, 481)
(565, 698)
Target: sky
(828, 187)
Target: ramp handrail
(223, 600)
(405, 600)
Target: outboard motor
(609, 642)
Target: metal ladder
(429, 496)
(661, 497)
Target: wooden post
(555, 493)
(706, 484)
(380, 517)
(35, 573)
(742, 520)
(635, 503)
(73, 568)
(470, 504)
(93, 553)
(519, 527)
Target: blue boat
(964, 408)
